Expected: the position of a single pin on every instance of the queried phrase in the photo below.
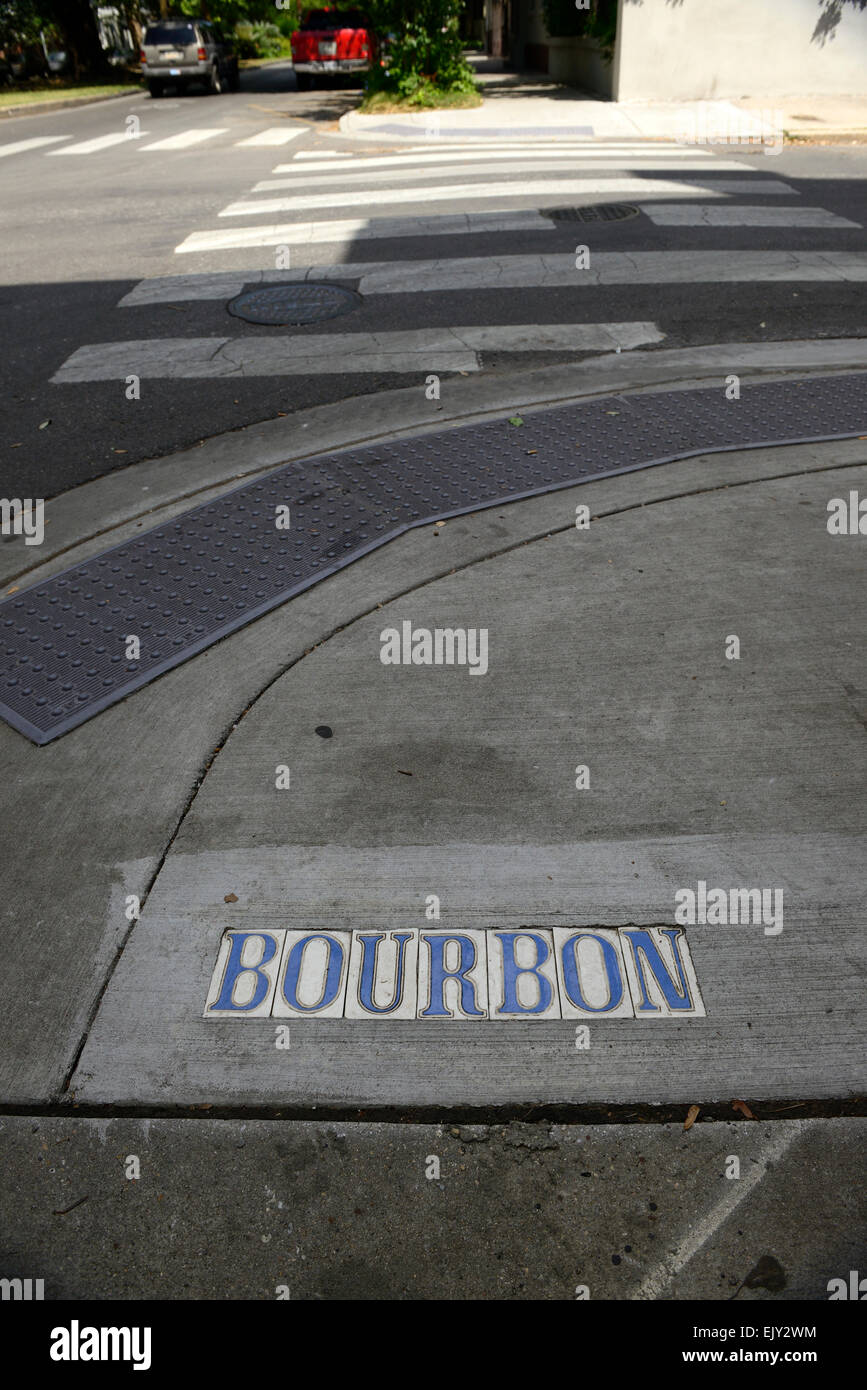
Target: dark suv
(179, 51)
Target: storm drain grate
(293, 304)
(186, 584)
(594, 212)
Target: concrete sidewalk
(531, 105)
(607, 649)
(256, 1209)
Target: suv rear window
(333, 19)
(170, 33)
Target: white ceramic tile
(311, 980)
(373, 975)
(245, 974)
(591, 973)
(453, 975)
(522, 974)
(658, 987)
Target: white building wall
(680, 50)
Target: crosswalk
(518, 189)
(139, 141)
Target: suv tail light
(201, 55)
(142, 56)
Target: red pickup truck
(330, 41)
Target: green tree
(75, 21)
(20, 23)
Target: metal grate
(593, 212)
(186, 584)
(293, 304)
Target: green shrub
(599, 22)
(421, 50)
(260, 41)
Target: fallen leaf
(691, 1117)
(532, 451)
(612, 412)
(16, 446)
(120, 451)
(45, 424)
(404, 773)
(230, 898)
(64, 1211)
(439, 523)
(515, 420)
(744, 1109)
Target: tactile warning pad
(209, 571)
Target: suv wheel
(215, 81)
(155, 89)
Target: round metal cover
(293, 304)
(594, 212)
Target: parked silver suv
(179, 51)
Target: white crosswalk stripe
(731, 215)
(19, 146)
(275, 135)
(606, 268)
(424, 174)
(529, 272)
(456, 147)
(184, 140)
(419, 349)
(346, 231)
(101, 142)
(529, 158)
(547, 189)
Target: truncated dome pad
(186, 584)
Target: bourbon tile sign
(529, 973)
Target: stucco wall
(675, 50)
(579, 62)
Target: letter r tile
(453, 975)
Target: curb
(45, 107)
(189, 477)
(359, 125)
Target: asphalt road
(80, 232)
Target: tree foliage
(599, 21)
(421, 48)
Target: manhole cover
(594, 212)
(293, 304)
